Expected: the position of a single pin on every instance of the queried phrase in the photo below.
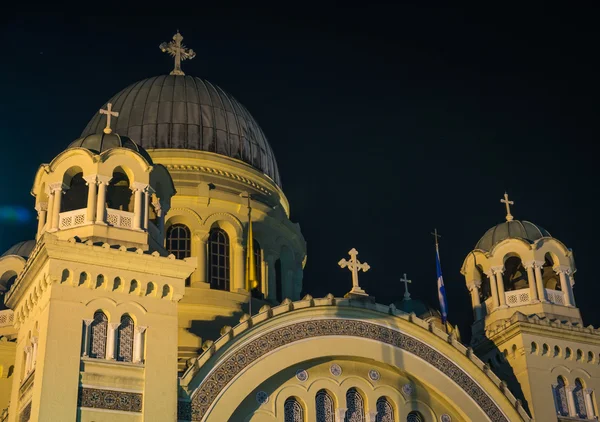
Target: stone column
(202, 238)
(500, 283)
(90, 214)
(493, 288)
(34, 342)
(86, 336)
(146, 215)
(571, 399)
(138, 212)
(589, 406)
(111, 340)
(57, 191)
(473, 287)
(533, 288)
(49, 216)
(539, 280)
(42, 209)
(270, 282)
(138, 344)
(101, 204)
(238, 266)
(564, 284)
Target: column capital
(113, 325)
(137, 186)
(498, 269)
(56, 187)
(41, 206)
(201, 235)
(103, 180)
(34, 340)
(473, 284)
(28, 349)
(564, 269)
(88, 322)
(528, 264)
(570, 388)
(588, 391)
(538, 264)
(140, 329)
(91, 179)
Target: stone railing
(70, 219)
(555, 296)
(518, 297)
(7, 318)
(118, 218)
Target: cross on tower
(355, 266)
(176, 49)
(406, 281)
(108, 113)
(508, 203)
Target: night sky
(386, 122)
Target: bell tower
(96, 303)
(527, 326)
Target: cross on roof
(176, 49)
(508, 203)
(108, 113)
(354, 265)
(406, 281)
(436, 236)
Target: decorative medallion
(302, 375)
(445, 418)
(407, 389)
(262, 397)
(374, 375)
(227, 369)
(336, 370)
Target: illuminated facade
(131, 303)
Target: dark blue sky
(386, 122)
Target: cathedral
(164, 284)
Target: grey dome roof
(100, 142)
(511, 229)
(184, 112)
(22, 249)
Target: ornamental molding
(193, 213)
(123, 401)
(230, 367)
(219, 172)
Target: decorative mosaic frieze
(210, 387)
(108, 399)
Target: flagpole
(439, 263)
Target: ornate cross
(354, 265)
(508, 203)
(176, 49)
(406, 282)
(108, 113)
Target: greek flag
(441, 288)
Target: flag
(441, 288)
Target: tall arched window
(415, 416)
(515, 275)
(293, 410)
(118, 193)
(325, 407)
(580, 409)
(125, 351)
(75, 197)
(356, 406)
(218, 259)
(385, 410)
(98, 331)
(560, 397)
(179, 241)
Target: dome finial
(176, 49)
(508, 203)
(108, 113)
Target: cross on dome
(176, 49)
(108, 113)
(508, 203)
(406, 282)
(355, 266)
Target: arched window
(75, 197)
(356, 406)
(278, 281)
(325, 407)
(550, 279)
(385, 411)
(98, 331)
(179, 241)
(515, 275)
(560, 397)
(218, 256)
(125, 351)
(293, 410)
(118, 193)
(415, 416)
(580, 409)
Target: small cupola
(104, 187)
(519, 266)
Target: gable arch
(510, 247)
(227, 222)
(263, 353)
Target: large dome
(511, 229)
(184, 112)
